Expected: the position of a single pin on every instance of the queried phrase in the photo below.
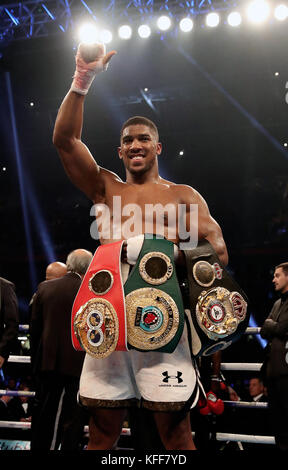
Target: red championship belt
(98, 315)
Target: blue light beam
(41, 226)
(253, 324)
(32, 267)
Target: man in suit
(256, 390)
(275, 330)
(9, 319)
(55, 269)
(57, 418)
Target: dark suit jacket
(275, 330)
(51, 344)
(9, 317)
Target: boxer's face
(139, 148)
(280, 280)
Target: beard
(141, 170)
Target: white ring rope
(222, 436)
(27, 425)
(246, 404)
(17, 393)
(252, 366)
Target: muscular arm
(77, 160)
(208, 228)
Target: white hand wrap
(89, 62)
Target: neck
(146, 177)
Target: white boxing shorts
(160, 381)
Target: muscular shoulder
(108, 179)
(188, 194)
(109, 175)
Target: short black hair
(284, 266)
(134, 120)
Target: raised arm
(77, 160)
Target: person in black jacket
(57, 419)
(9, 319)
(275, 330)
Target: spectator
(256, 390)
(275, 367)
(20, 407)
(55, 364)
(9, 319)
(55, 270)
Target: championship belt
(98, 313)
(218, 305)
(154, 307)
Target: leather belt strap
(154, 306)
(98, 313)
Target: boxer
(137, 371)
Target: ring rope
(222, 436)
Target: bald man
(55, 270)
(55, 363)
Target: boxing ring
(219, 436)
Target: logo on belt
(219, 312)
(96, 326)
(152, 318)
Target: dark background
(216, 97)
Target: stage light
(181, 153)
(88, 33)
(258, 11)
(106, 36)
(125, 31)
(281, 12)
(144, 31)
(186, 25)
(234, 19)
(212, 20)
(164, 23)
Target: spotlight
(88, 33)
(281, 12)
(186, 25)
(212, 20)
(234, 19)
(106, 36)
(125, 31)
(144, 31)
(164, 23)
(181, 153)
(258, 11)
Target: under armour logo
(167, 376)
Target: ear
(119, 152)
(159, 148)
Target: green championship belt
(154, 306)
